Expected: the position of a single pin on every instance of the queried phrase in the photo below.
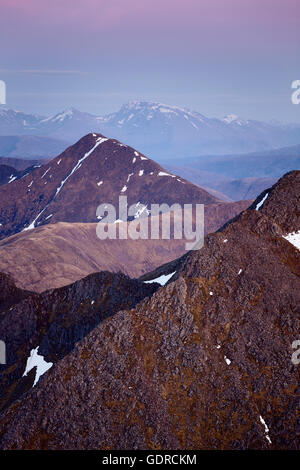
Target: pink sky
(209, 38)
(252, 23)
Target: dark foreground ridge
(203, 363)
(55, 320)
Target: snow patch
(259, 205)
(162, 280)
(35, 360)
(230, 118)
(12, 178)
(228, 361)
(163, 173)
(45, 173)
(294, 239)
(266, 429)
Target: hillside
(73, 250)
(204, 362)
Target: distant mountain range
(158, 130)
(268, 164)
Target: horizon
(171, 105)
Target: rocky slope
(205, 362)
(8, 174)
(54, 321)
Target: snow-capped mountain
(68, 125)
(159, 130)
(135, 114)
(164, 131)
(15, 122)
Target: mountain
(73, 250)
(161, 131)
(69, 125)
(30, 147)
(95, 170)
(246, 188)
(269, 164)
(36, 136)
(16, 122)
(21, 163)
(8, 174)
(223, 187)
(203, 362)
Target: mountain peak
(62, 116)
(233, 118)
(155, 106)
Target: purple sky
(215, 56)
